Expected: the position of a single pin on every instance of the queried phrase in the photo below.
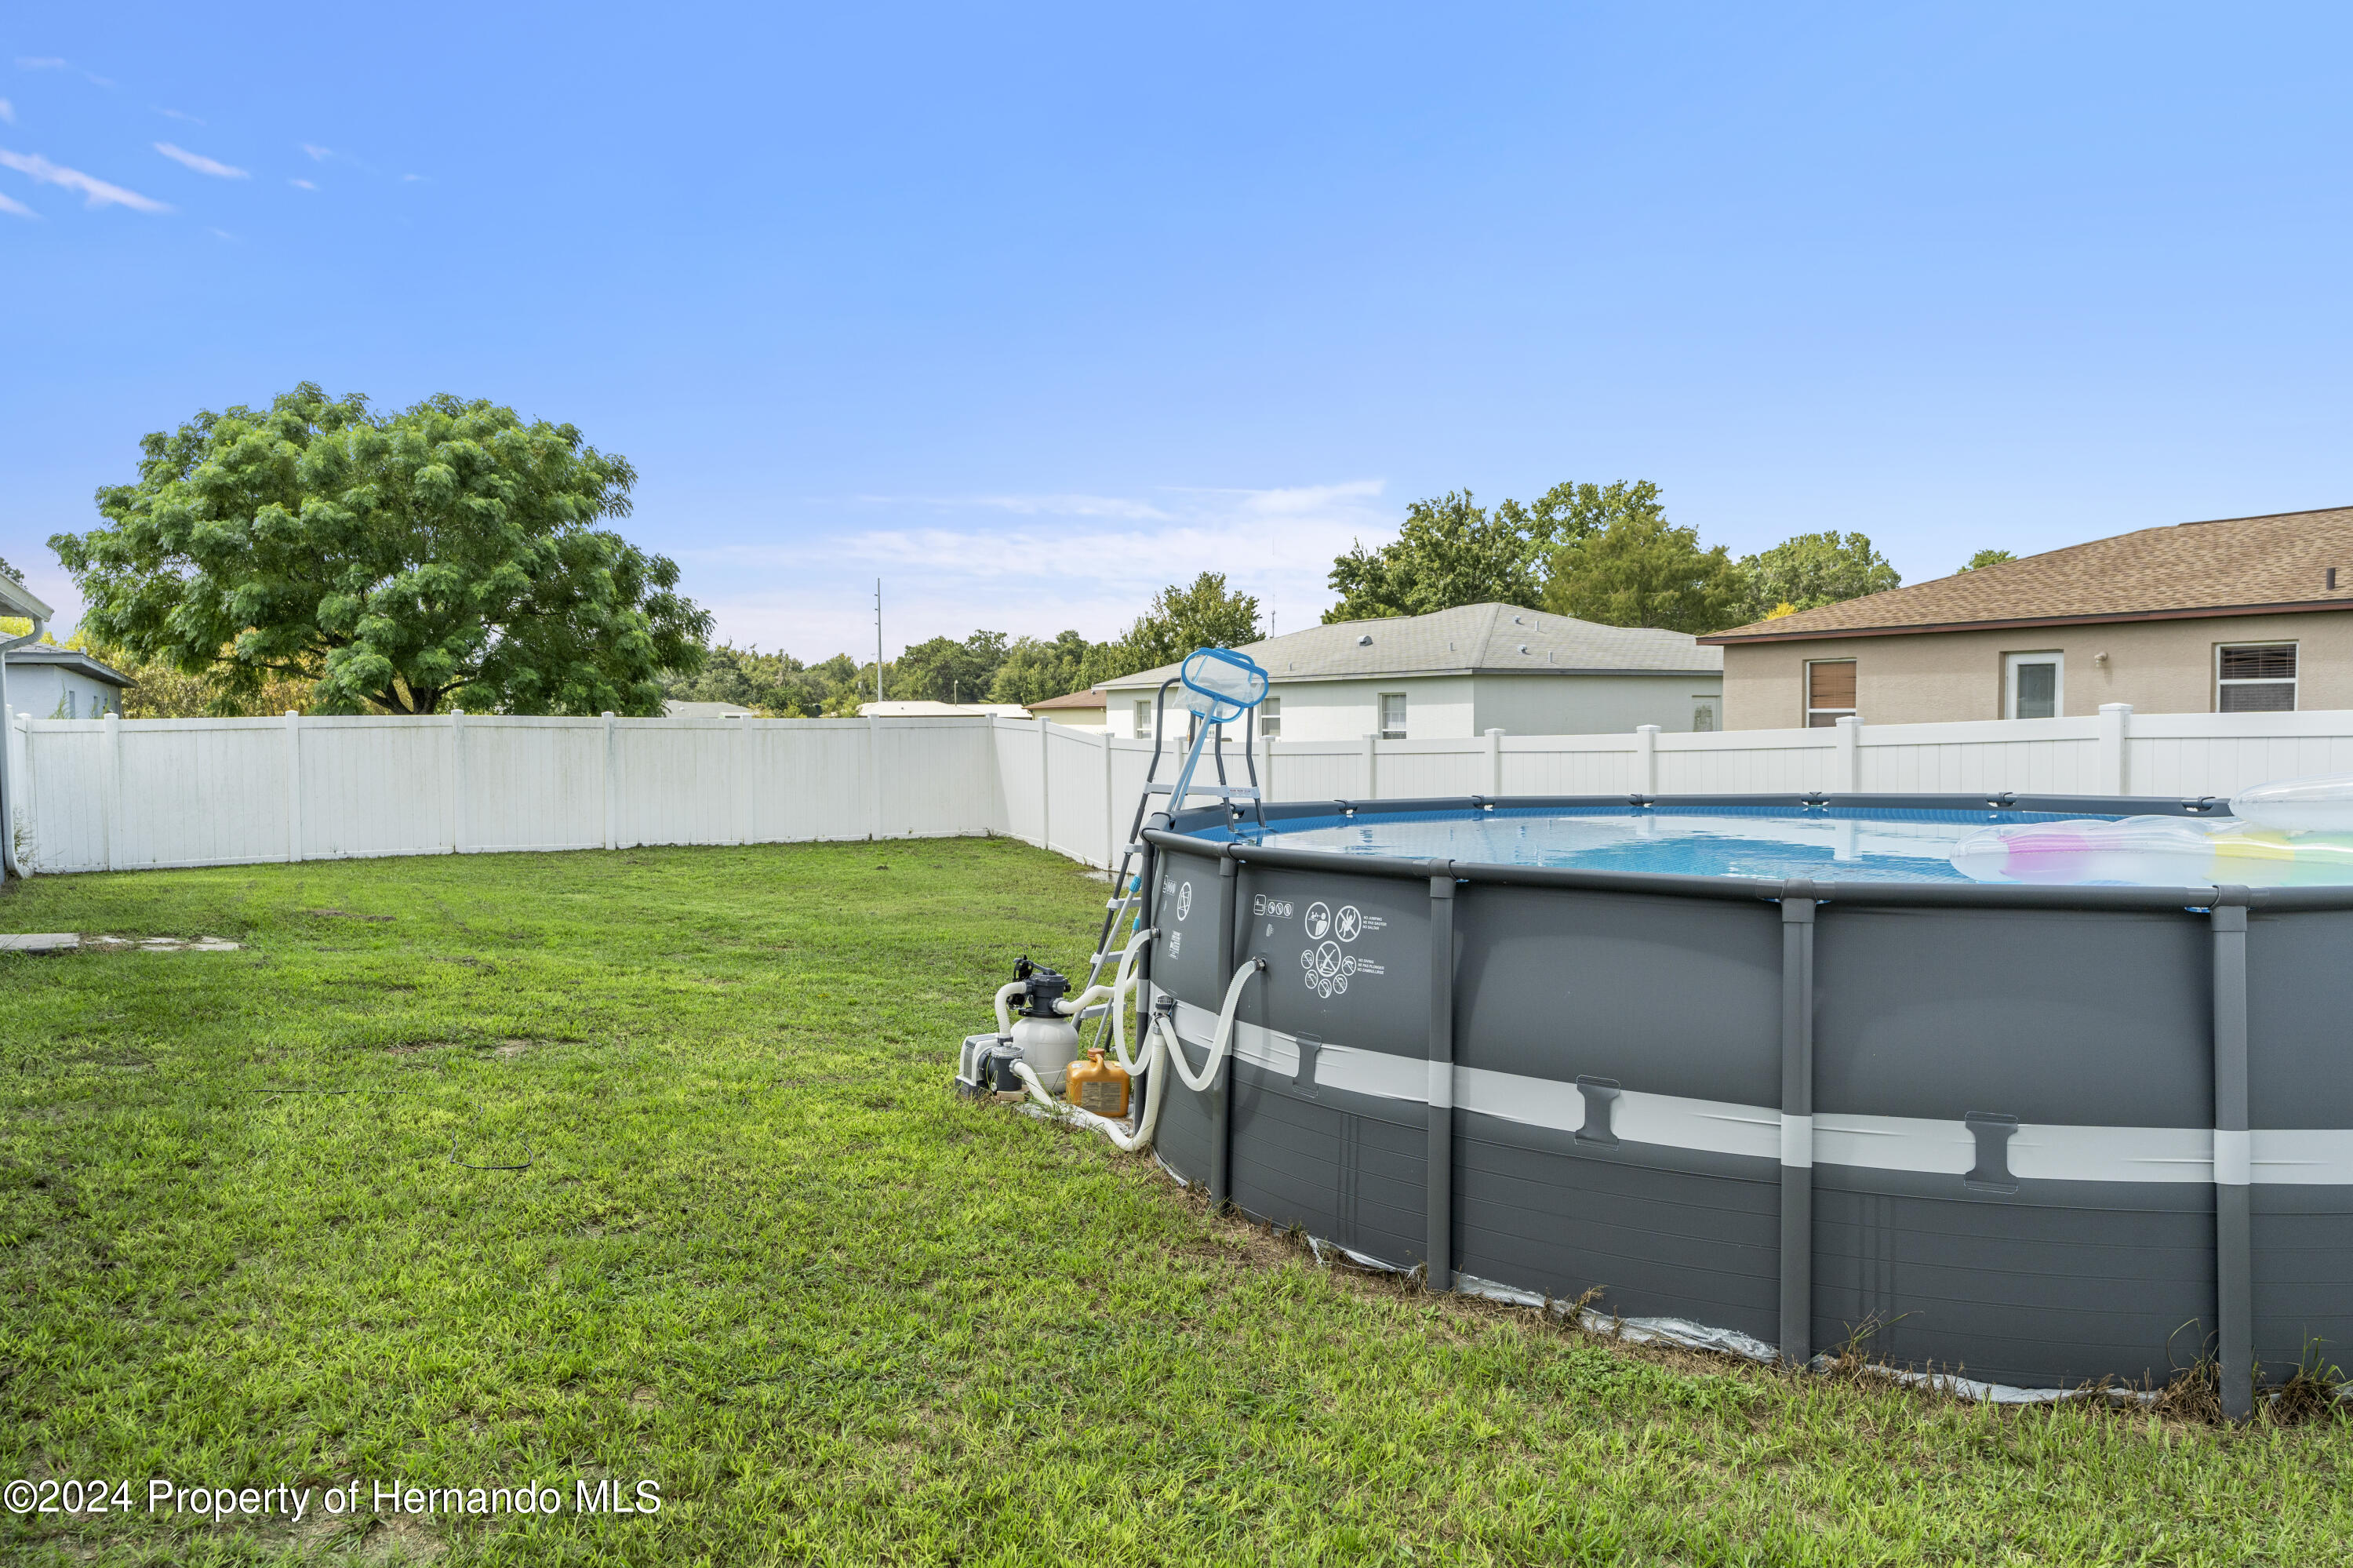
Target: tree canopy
(983, 667)
(1643, 570)
(1451, 551)
(1206, 615)
(946, 671)
(1035, 669)
(446, 554)
(1814, 569)
(1984, 558)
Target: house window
(1829, 692)
(1392, 715)
(2033, 686)
(1702, 714)
(1144, 719)
(1270, 718)
(2257, 678)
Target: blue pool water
(1840, 843)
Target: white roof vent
(1524, 647)
(1366, 641)
(1517, 622)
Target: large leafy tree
(1206, 614)
(1034, 670)
(946, 671)
(1643, 570)
(1982, 560)
(1453, 551)
(443, 554)
(1815, 569)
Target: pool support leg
(1796, 1123)
(1438, 1253)
(1221, 1092)
(2233, 1165)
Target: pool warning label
(1329, 966)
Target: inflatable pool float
(2295, 833)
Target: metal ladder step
(1215, 791)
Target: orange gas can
(1097, 1086)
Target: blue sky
(1030, 311)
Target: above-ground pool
(1771, 1065)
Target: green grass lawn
(762, 1257)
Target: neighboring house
(1080, 710)
(49, 682)
(702, 710)
(2241, 615)
(919, 709)
(1461, 672)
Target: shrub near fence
(112, 794)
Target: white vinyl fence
(106, 794)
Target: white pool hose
(1069, 1006)
(1122, 1139)
(1072, 1006)
(1123, 985)
(1219, 1043)
(1161, 1049)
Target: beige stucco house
(2240, 615)
(1079, 710)
(1460, 672)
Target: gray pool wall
(2037, 1136)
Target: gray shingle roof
(1472, 639)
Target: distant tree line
(986, 667)
(1604, 553)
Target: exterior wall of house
(51, 691)
(2157, 666)
(1596, 705)
(1456, 707)
(1437, 708)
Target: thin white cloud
(318, 154)
(960, 565)
(224, 234)
(95, 192)
(7, 113)
(414, 180)
(40, 62)
(1117, 506)
(302, 184)
(201, 163)
(15, 208)
(175, 114)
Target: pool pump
(1036, 1027)
(1046, 1039)
(1036, 1054)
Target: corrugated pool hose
(1160, 1049)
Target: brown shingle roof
(1090, 699)
(2277, 562)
